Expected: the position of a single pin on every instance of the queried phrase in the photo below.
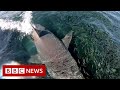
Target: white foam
(26, 23)
(24, 26)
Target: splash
(26, 23)
(24, 26)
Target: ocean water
(95, 44)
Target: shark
(54, 53)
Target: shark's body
(55, 55)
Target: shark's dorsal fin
(67, 39)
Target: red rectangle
(24, 70)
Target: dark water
(95, 43)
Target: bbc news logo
(24, 70)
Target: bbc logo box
(24, 70)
